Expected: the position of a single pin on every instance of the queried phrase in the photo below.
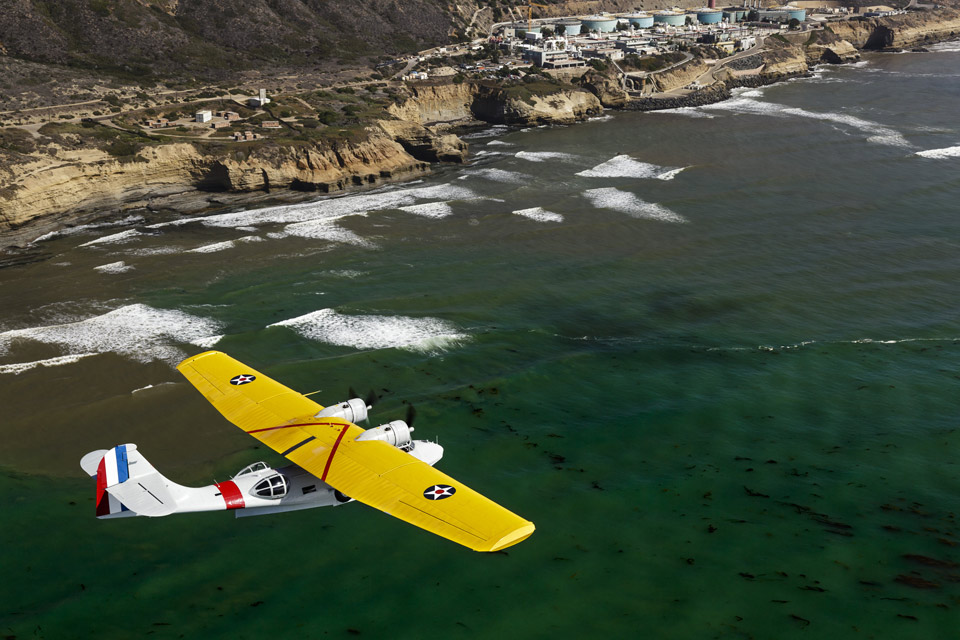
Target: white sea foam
(499, 143)
(623, 166)
(539, 214)
(545, 156)
(495, 130)
(222, 246)
(375, 332)
(946, 47)
(152, 386)
(152, 251)
(499, 175)
(331, 209)
(136, 331)
(877, 132)
(114, 267)
(626, 202)
(692, 112)
(20, 367)
(83, 228)
(325, 230)
(206, 342)
(347, 273)
(429, 209)
(115, 238)
(670, 175)
(940, 154)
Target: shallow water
(712, 353)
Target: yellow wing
(370, 471)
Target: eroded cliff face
(92, 180)
(452, 102)
(901, 31)
(188, 177)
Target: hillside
(213, 38)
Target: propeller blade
(371, 399)
(353, 393)
(411, 414)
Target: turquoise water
(726, 395)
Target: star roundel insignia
(243, 378)
(439, 492)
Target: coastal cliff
(56, 182)
(520, 103)
(900, 31)
(190, 177)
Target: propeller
(411, 414)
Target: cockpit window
(273, 487)
(255, 467)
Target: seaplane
(334, 462)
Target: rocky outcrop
(900, 31)
(783, 59)
(425, 144)
(606, 86)
(827, 47)
(507, 106)
(523, 103)
(436, 102)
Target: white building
(204, 116)
(259, 101)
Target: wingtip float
(334, 462)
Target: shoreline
(18, 244)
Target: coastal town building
(245, 136)
(270, 124)
(204, 116)
(159, 123)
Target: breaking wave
(115, 238)
(546, 156)
(375, 332)
(940, 154)
(429, 209)
(499, 175)
(626, 202)
(623, 166)
(20, 367)
(539, 214)
(876, 132)
(114, 267)
(136, 331)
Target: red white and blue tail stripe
(112, 468)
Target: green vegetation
(17, 140)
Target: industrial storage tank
(570, 27)
(640, 20)
(522, 26)
(734, 14)
(709, 16)
(673, 18)
(603, 24)
(795, 12)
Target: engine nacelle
(396, 433)
(353, 410)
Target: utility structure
(529, 7)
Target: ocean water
(713, 353)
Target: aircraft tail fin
(127, 484)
